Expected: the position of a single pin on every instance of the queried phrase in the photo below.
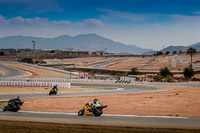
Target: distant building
(76, 52)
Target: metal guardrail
(47, 80)
(34, 84)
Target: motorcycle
(13, 105)
(54, 90)
(91, 110)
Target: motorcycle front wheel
(81, 112)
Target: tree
(134, 71)
(158, 53)
(2, 53)
(174, 52)
(188, 72)
(191, 52)
(165, 72)
(164, 75)
(167, 52)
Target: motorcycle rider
(95, 103)
(55, 88)
(14, 101)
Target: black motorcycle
(13, 105)
(54, 90)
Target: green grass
(35, 127)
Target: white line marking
(118, 115)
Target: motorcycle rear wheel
(4, 109)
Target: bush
(169, 79)
(26, 60)
(165, 72)
(164, 75)
(134, 71)
(188, 72)
(158, 78)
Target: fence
(64, 80)
(168, 83)
(33, 84)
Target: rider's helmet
(95, 101)
(18, 97)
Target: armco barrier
(45, 81)
(34, 84)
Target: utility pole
(33, 45)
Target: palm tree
(191, 52)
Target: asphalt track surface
(101, 65)
(119, 89)
(105, 119)
(12, 72)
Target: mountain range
(171, 49)
(91, 42)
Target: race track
(105, 119)
(108, 120)
(12, 72)
(122, 89)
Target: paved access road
(12, 72)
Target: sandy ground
(182, 101)
(82, 62)
(144, 64)
(43, 89)
(37, 72)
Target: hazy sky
(146, 23)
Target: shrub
(26, 60)
(134, 71)
(158, 78)
(169, 79)
(165, 72)
(188, 72)
(164, 75)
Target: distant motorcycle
(54, 90)
(89, 109)
(13, 105)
